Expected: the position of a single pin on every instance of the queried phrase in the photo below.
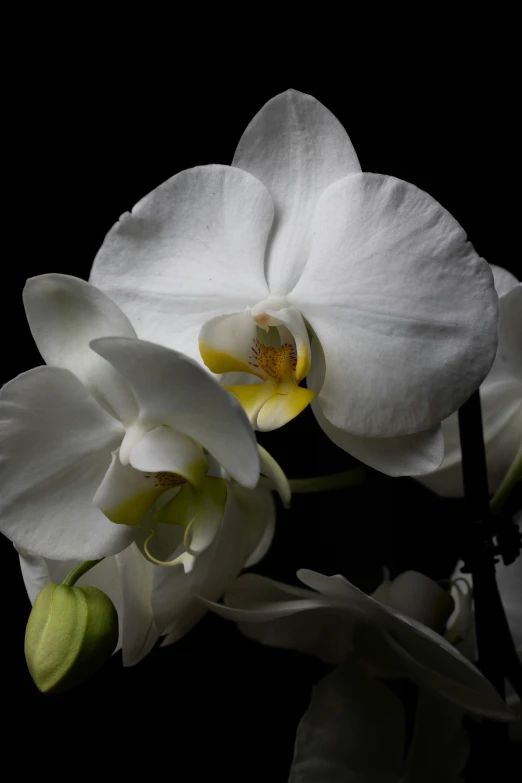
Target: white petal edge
(55, 447)
(406, 455)
(190, 250)
(404, 308)
(65, 314)
(297, 148)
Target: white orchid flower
(244, 263)
(90, 444)
(501, 398)
(153, 601)
(335, 618)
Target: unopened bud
(70, 634)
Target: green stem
(78, 571)
(507, 485)
(348, 478)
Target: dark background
(217, 704)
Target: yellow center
(278, 363)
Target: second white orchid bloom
(245, 263)
(90, 444)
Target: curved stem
(348, 478)
(79, 570)
(507, 485)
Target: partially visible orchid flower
(292, 264)
(461, 626)
(371, 640)
(501, 398)
(153, 601)
(388, 631)
(163, 419)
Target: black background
(217, 704)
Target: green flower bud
(70, 634)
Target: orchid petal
(173, 390)
(404, 455)
(297, 148)
(433, 663)
(509, 354)
(163, 450)
(502, 426)
(126, 495)
(405, 310)
(211, 503)
(175, 605)
(190, 250)
(418, 596)
(55, 447)
(252, 397)
(504, 280)
(440, 745)
(139, 633)
(256, 599)
(65, 314)
(227, 342)
(279, 409)
(402, 645)
(423, 655)
(353, 731)
(257, 510)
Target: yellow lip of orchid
(270, 344)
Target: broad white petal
(38, 571)
(172, 389)
(296, 147)
(353, 731)
(55, 447)
(137, 627)
(65, 314)
(404, 309)
(190, 250)
(404, 455)
(174, 599)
